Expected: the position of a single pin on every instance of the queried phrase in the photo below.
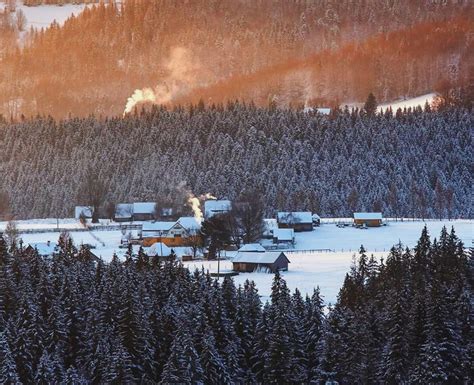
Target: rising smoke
(180, 79)
(195, 204)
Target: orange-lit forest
(290, 52)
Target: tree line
(71, 320)
(406, 163)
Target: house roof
(212, 207)
(45, 249)
(295, 217)
(190, 223)
(82, 209)
(284, 234)
(367, 216)
(123, 210)
(252, 257)
(144, 208)
(158, 249)
(157, 226)
(251, 247)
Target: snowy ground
(407, 103)
(306, 270)
(396, 104)
(43, 15)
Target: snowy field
(306, 270)
(43, 15)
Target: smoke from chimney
(180, 79)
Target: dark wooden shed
(251, 261)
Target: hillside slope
(291, 52)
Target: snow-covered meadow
(306, 270)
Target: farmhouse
(297, 220)
(284, 236)
(368, 219)
(44, 249)
(183, 232)
(143, 211)
(214, 207)
(251, 261)
(123, 212)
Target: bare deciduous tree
(92, 192)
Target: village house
(123, 212)
(250, 261)
(143, 211)
(183, 232)
(284, 237)
(368, 219)
(297, 220)
(214, 207)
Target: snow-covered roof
(367, 216)
(321, 110)
(123, 210)
(284, 234)
(190, 223)
(212, 207)
(252, 257)
(295, 217)
(86, 210)
(252, 247)
(158, 249)
(157, 226)
(144, 207)
(316, 217)
(45, 249)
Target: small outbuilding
(297, 220)
(251, 261)
(284, 236)
(368, 219)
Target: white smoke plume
(195, 203)
(195, 206)
(180, 78)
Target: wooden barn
(368, 219)
(251, 261)
(297, 220)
